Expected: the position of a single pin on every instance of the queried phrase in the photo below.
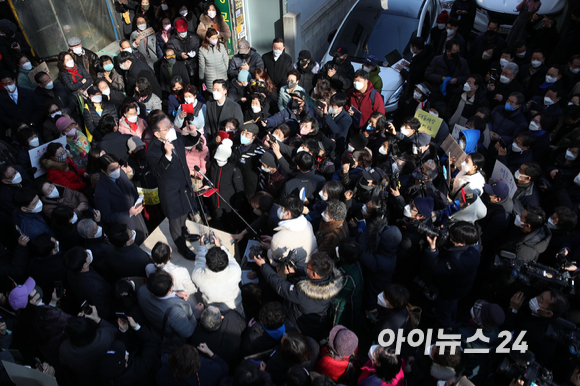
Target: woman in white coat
(161, 255)
(213, 59)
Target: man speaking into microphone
(166, 156)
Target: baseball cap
(422, 139)
(181, 25)
(243, 47)
(373, 174)
(340, 51)
(371, 60)
(18, 297)
(498, 189)
(304, 54)
(133, 143)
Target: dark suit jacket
(114, 203)
(116, 144)
(230, 110)
(63, 98)
(28, 108)
(138, 70)
(127, 262)
(441, 44)
(173, 177)
(91, 286)
(179, 69)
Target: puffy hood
(48, 163)
(323, 289)
(297, 224)
(472, 213)
(508, 6)
(471, 139)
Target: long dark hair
(206, 44)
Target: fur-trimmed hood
(49, 163)
(324, 289)
(441, 373)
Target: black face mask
(455, 55)
(304, 62)
(140, 153)
(339, 60)
(490, 34)
(243, 56)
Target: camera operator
(530, 236)
(561, 223)
(453, 269)
(499, 208)
(534, 317)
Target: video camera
(565, 333)
(523, 366)
(535, 275)
(431, 231)
(288, 260)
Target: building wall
(316, 25)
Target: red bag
(188, 108)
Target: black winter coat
(126, 262)
(179, 69)
(138, 70)
(249, 162)
(252, 58)
(91, 286)
(230, 109)
(28, 108)
(64, 99)
(230, 183)
(342, 80)
(277, 69)
(116, 143)
(175, 190)
(92, 118)
(190, 43)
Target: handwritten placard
(453, 150)
(42, 67)
(145, 33)
(457, 129)
(502, 173)
(430, 124)
(37, 153)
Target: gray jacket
(213, 64)
(147, 46)
(181, 321)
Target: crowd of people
(356, 221)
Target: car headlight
(395, 96)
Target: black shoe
(187, 254)
(191, 237)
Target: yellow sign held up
(151, 196)
(430, 124)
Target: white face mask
(465, 167)
(34, 142)
(17, 178)
(182, 35)
(434, 113)
(183, 13)
(440, 25)
(466, 87)
(106, 92)
(90, 256)
(49, 85)
(504, 79)
(462, 144)
(372, 351)
(536, 63)
(54, 193)
(450, 32)
(521, 54)
(336, 249)
(381, 300)
(74, 218)
(569, 156)
(116, 174)
(577, 179)
(485, 56)
(280, 213)
(322, 196)
(350, 148)
(265, 169)
(99, 232)
(217, 95)
(27, 66)
(407, 212)
(164, 7)
(38, 207)
(516, 148)
(364, 210)
(534, 306)
(256, 109)
(503, 62)
(130, 50)
(325, 218)
(56, 249)
(211, 14)
(366, 69)
(551, 224)
(78, 50)
(221, 163)
(171, 135)
(97, 99)
(518, 221)
(133, 118)
(56, 114)
(141, 27)
(133, 236)
(190, 100)
(70, 64)
(548, 101)
(277, 53)
(417, 95)
(382, 150)
(358, 85)
(550, 79)
(405, 132)
(11, 87)
(574, 70)
(534, 126)
(213, 42)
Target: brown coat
(329, 235)
(68, 197)
(206, 23)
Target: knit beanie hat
(63, 122)
(244, 76)
(342, 341)
(424, 205)
(224, 151)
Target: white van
(377, 27)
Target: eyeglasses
(170, 57)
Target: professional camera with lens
(529, 274)
(565, 333)
(523, 366)
(430, 231)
